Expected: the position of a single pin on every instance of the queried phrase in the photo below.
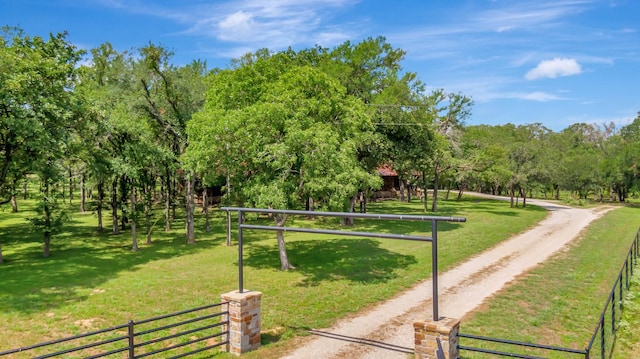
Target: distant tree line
(130, 131)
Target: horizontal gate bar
(404, 217)
(522, 344)
(339, 232)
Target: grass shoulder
(559, 302)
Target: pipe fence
(173, 335)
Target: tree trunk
(132, 218)
(147, 211)
(461, 190)
(280, 220)
(70, 187)
(47, 244)
(99, 204)
(205, 209)
(309, 206)
(349, 221)
(114, 206)
(523, 193)
(24, 189)
(365, 196)
(511, 194)
(124, 189)
(83, 194)
(174, 194)
(434, 200)
(47, 220)
(190, 181)
(14, 203)
(167, 202)
(401, 190)
(409, 188)
(425, 190)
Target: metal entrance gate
(433, 238)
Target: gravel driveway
(386, 331)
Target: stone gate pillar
(426, 332)
(244, 321)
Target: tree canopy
(288, 129)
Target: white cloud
(274, 24)
(554, 68)
(539, 96)
(236, 26)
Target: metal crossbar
(402, 217)
(515, 343)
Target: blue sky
(555, 62)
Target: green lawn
(559, 302)
(94, 281)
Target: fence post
(244, 321)
(427, 333)
(602, 342)
(434, 268)
(228, 228)
(626, 271)
(613, 309)
(240, 255)
(132, 354)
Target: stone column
(244, 321)
(426, 333)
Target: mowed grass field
(94, 281)
(559, 302)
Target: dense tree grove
(130, 132)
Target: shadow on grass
(80, 259)
(359, 260)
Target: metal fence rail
(547, 348)
(404, 217)
(613, 308)
(125, 339)
(602, 341)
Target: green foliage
(296, 138)
(38, 107)
(52, 222)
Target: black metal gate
(176, 336)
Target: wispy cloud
(252, 24)
(539, 96)
(554, 68)
(524, 14)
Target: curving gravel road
(386, 331)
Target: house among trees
(390, 185)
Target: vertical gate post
(244, 321)
(240, 255)
(228, 228)
(131, 335)
(427, 332)
(434, 268)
